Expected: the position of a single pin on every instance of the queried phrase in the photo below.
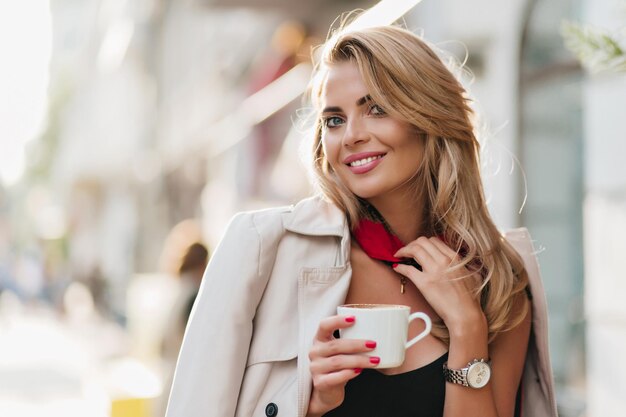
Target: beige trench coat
(274, 276)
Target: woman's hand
(450, 293)
(334, 362)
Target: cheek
(412, 157)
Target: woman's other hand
(451, 292)
(334, 362)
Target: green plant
(597, 49)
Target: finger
(451, 253)
(411, 273)
(325, 382)
(434, 251)
(342, 346)
(417, 252)
(328, 326)
(339, 363)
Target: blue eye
(332, 121)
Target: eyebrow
(365, 99)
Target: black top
(417, 393)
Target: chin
(365, 194)
(366, 190)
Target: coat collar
(316, 217)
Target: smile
(364, 161)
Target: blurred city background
(132, 130)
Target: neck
(404, 215)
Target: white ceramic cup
(387, 325)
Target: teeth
(364, 161)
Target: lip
(362, 169)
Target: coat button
(271, 410)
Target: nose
(355, 132)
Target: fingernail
(350, 319)
(374, 359)
(357, 370)
(394, 265)
(370, 344)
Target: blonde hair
(407, 78)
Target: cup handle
(427, 322)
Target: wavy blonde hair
(408, 79)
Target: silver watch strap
(456, 376)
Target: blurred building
(154, 119)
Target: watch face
(478, 374)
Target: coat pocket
(269, 386)
(274, 343)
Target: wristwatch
(475, 375)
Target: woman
(397, 161)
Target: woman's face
(374, 154)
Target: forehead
(343, 82)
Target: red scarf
(378, 243)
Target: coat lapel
(321, 289)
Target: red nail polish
(375, 360)
(370, 344)
(357, 370)
(394, 265)
(350, 319)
